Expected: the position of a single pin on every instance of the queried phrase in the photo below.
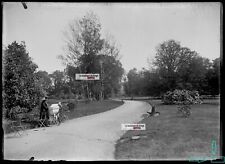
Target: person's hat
(60, 104)
(44, 98)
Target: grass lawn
(85, 109)
(82, 109)
(170, 136)
(93, 107)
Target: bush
(72, 105)
(20, 84)
(65, 107)
(181, 97)
(80, 97)
(15, 111)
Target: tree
(84, 45)
(110, 47)
(82, 42)
(58, 80)
(197, 73)
(132, 85)
(167, 61)
(143, 83)
(213, 77)
(216, 78)
(181, 68)
(74, 85)
(19, 82)
(112, 74)
(175, 67)
(44, 81)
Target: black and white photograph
(88, 81)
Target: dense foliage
(20, 86)
(177, 72)
(181, 97)
(175, 67)
(86, 51)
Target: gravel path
(87, 138)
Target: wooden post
(101, 91)
(82, 84)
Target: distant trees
(167, 60)
(179, 67)
(57, 79)
(83, 42)
(112, 72)
(20, 85)
(213, 77)
(175, 67)
(44, 81)
(87, 52)
(133, 79)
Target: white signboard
(87, 76)
(133, 127)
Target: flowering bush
(180, 97)
(183, 98)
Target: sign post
(87, 76)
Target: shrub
(80, 97)
(72, 104)
(181, 97)
(65, 107)
(20, 84)
(184, 110)
(15, 111)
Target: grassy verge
(169, 136)
(81, 109)
(93, 107)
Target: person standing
(44, 113)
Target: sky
(138, 28)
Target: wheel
(64, 117)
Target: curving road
(87, 138)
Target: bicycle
(63, 117)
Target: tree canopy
(175, 67)
(85, 49)
(20, 86)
